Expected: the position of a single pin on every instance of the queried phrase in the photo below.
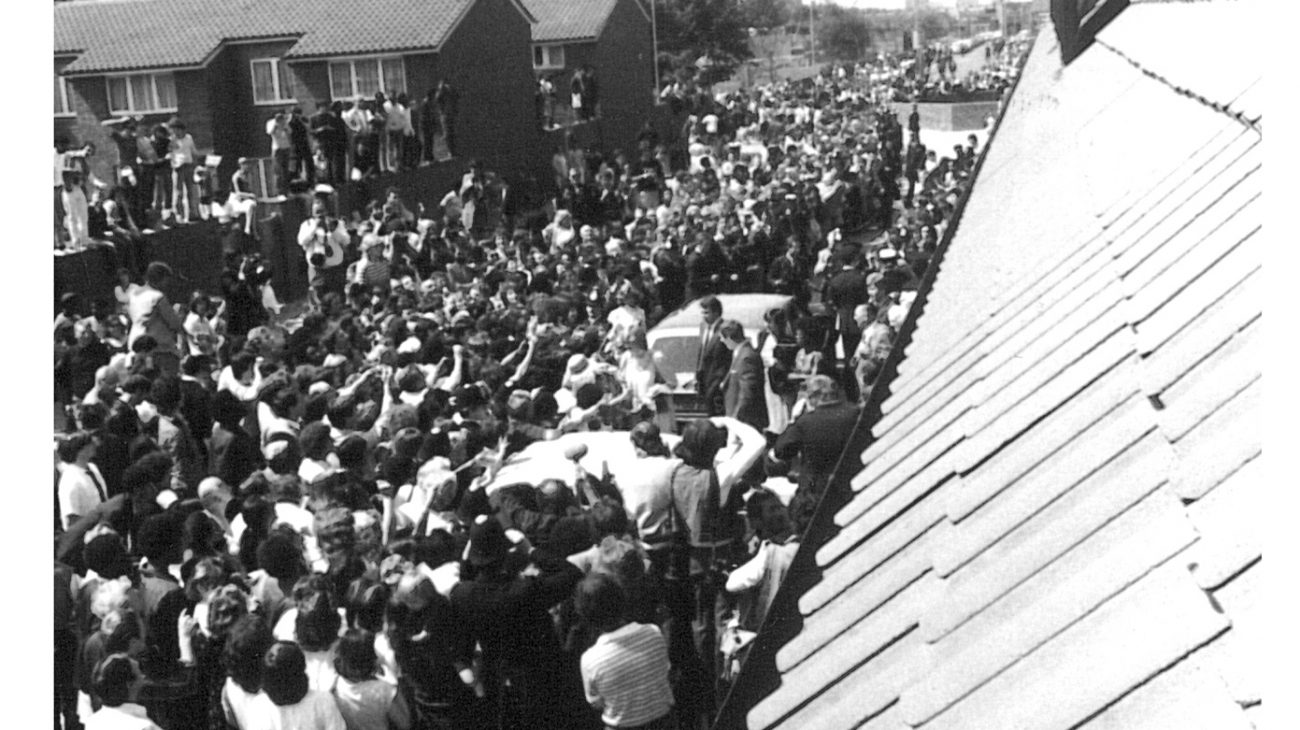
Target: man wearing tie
(744, 399)
(81, 486)
(714, 359)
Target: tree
(765, 14)
(843, 34)
(934, 25)
(693, 29)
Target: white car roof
(747, 309)
(544, 460)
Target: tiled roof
(1054, 526)
(569, 20)
(121, 35)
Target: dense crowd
(271, 523)
(931, 74)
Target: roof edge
(756, 679)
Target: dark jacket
(817, 438)
(743, 399)
(511, 621)
(714, 361)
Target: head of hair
(314, 440)
(157, 273)
(354, 658)
(365, 604)
(824, 390)
(608, 517)
(208, 575)
(284, 674)
(768, 522)
(711, 304)
(281, 557)
(166, 393)
(317, 624)
(246, 645)
(159, 538)
(112, 679)
(732, 330)
(285, 462)
(227, 605)
(601, 602)
(73, 444)
(203, 536)
(701, 440)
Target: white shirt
(246, 393)
(78, 494)
(127, 716)
(240, 706)
(316, 711)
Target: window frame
(280, 98)
(351, 61)
(63, 97)
(548, 51)
(134, 108)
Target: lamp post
(654, 44)
(812, 35)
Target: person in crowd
(818, 436)
(277, 128)
(116, 682)
(288, 701)
(625, 673)
(152, 315)
(743, 397)
(183, 154)
(366, 701)
(714, 359)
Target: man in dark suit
(847, 289)
(743, 394)
(818, 437)
(715, 358)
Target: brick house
(614, 38)
(226, 68)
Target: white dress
(778, 411)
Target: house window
(548, 56)
(366, 76)
(142, 93)
(62, 105)
(271, 82)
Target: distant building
(225, 68)
(614, 38)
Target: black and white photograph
(653, 365)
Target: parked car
(677, 340)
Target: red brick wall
(623, 60)
(489, 60)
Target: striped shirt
(625, 675)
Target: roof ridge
(1224, 108)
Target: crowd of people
(263, 523)
(931, 74)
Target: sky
(891, 4)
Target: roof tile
(138, 34)
(1087, 507)
(1129, 639)
(1056, 597)
(1219, 445)
(569, 20)
(1187, 697)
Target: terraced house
(225, 68)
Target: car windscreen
(680, 353)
